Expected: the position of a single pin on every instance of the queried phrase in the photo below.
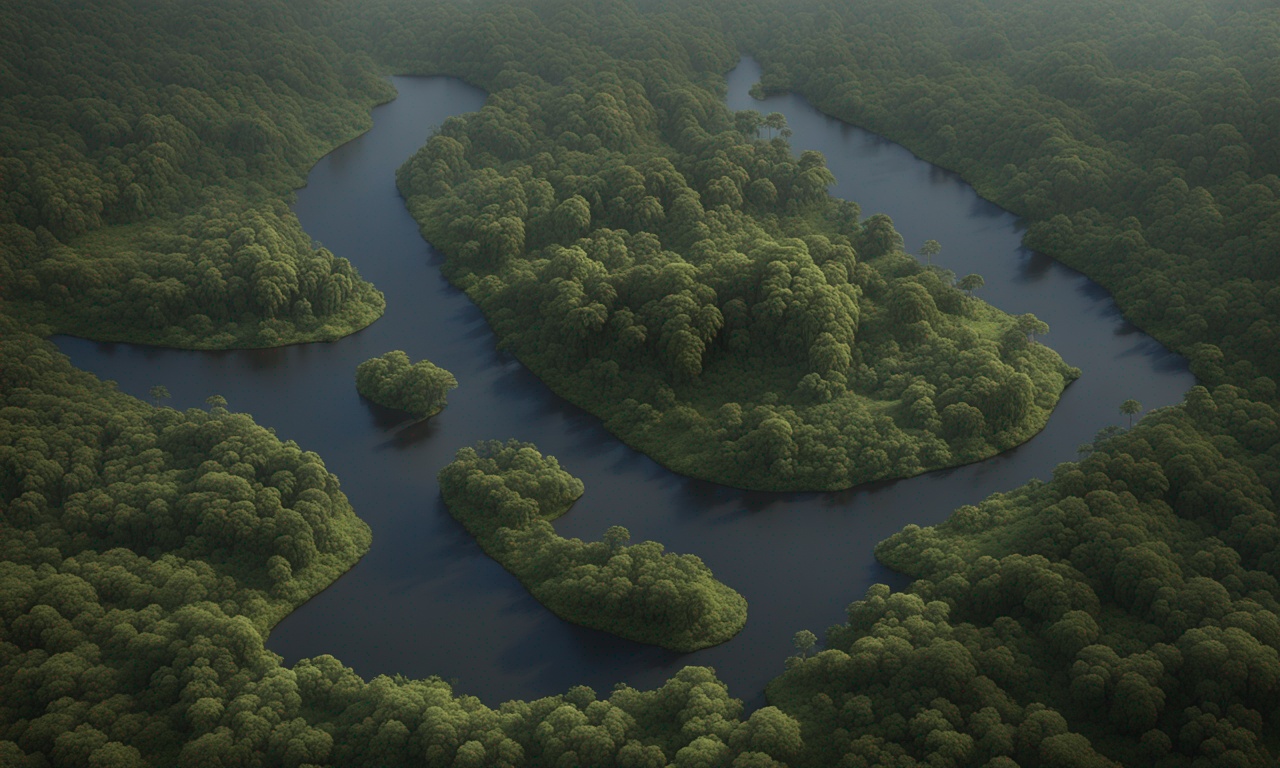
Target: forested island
(1123, 612)
(391, 380)
(675, 269)
(506, 494)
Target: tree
(878, 237)
(970, 283)
(804, 641)
(159, 393)
(616, 537)
(1130, 408)
(930, 249)
(1032, 325)
(776, 121)
(393, 381)
(748, 122)
(1105, 434)
(770, 732)
(504, 494)
(216, 403)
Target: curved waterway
(426, 601)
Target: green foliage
(1125, 612)
(391, 380)
(1141, 141)
(654, 260)
(146, 158)
(1130, 408)
(930, 249)
(1129, 608)
(146, 552)
(159, 393)
(970, 283)
(216, 278)
(504, 494)
(804, 640)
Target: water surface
(426, 601)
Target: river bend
(426, 601)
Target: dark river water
(426, 601)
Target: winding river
(426, 601)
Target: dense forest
(677, 270)
(1139, 139)
(505, 494)
(146, 149)
(391, 380)
(1122, 613)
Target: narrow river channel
(426, 601)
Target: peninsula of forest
(506, 493)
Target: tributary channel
(426, 601)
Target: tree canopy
(655, 260)
(1123, 612)
(505, 494)
(393, 381)
(147, 159)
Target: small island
(416, 388)
(504, 494)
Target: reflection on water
(427, 601)
(1034, 267)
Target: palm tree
(930, 249)
(1129, 408)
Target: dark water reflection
(427, 601)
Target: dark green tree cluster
(145, 553)
(393, 381)
(505, 494)
(144, 154)
(656, 261)
(1130, 606)
(1141, 140)
(85, 468)
(1124, 612)
(221, 277)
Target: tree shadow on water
(264, 359)
(561, 654)
(384, 418)
(405, 430)
(413, 433)
(980, 207)
(1033, 267)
